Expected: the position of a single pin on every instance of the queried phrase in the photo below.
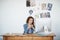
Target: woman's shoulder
(25, 25)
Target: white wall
(13, 14)
(56, 18)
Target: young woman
(29, 26)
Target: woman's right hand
(30, 26)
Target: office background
(13, 14)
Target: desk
(28, 37)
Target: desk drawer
(42, 38)
(10, 38)
(18, 38)
(13, 38)
(27, 38)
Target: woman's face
(30, 21)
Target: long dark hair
(32, 22)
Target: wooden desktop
(28, 37)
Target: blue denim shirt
(26, 30)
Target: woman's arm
(25, 29)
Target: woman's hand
(30, 26)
